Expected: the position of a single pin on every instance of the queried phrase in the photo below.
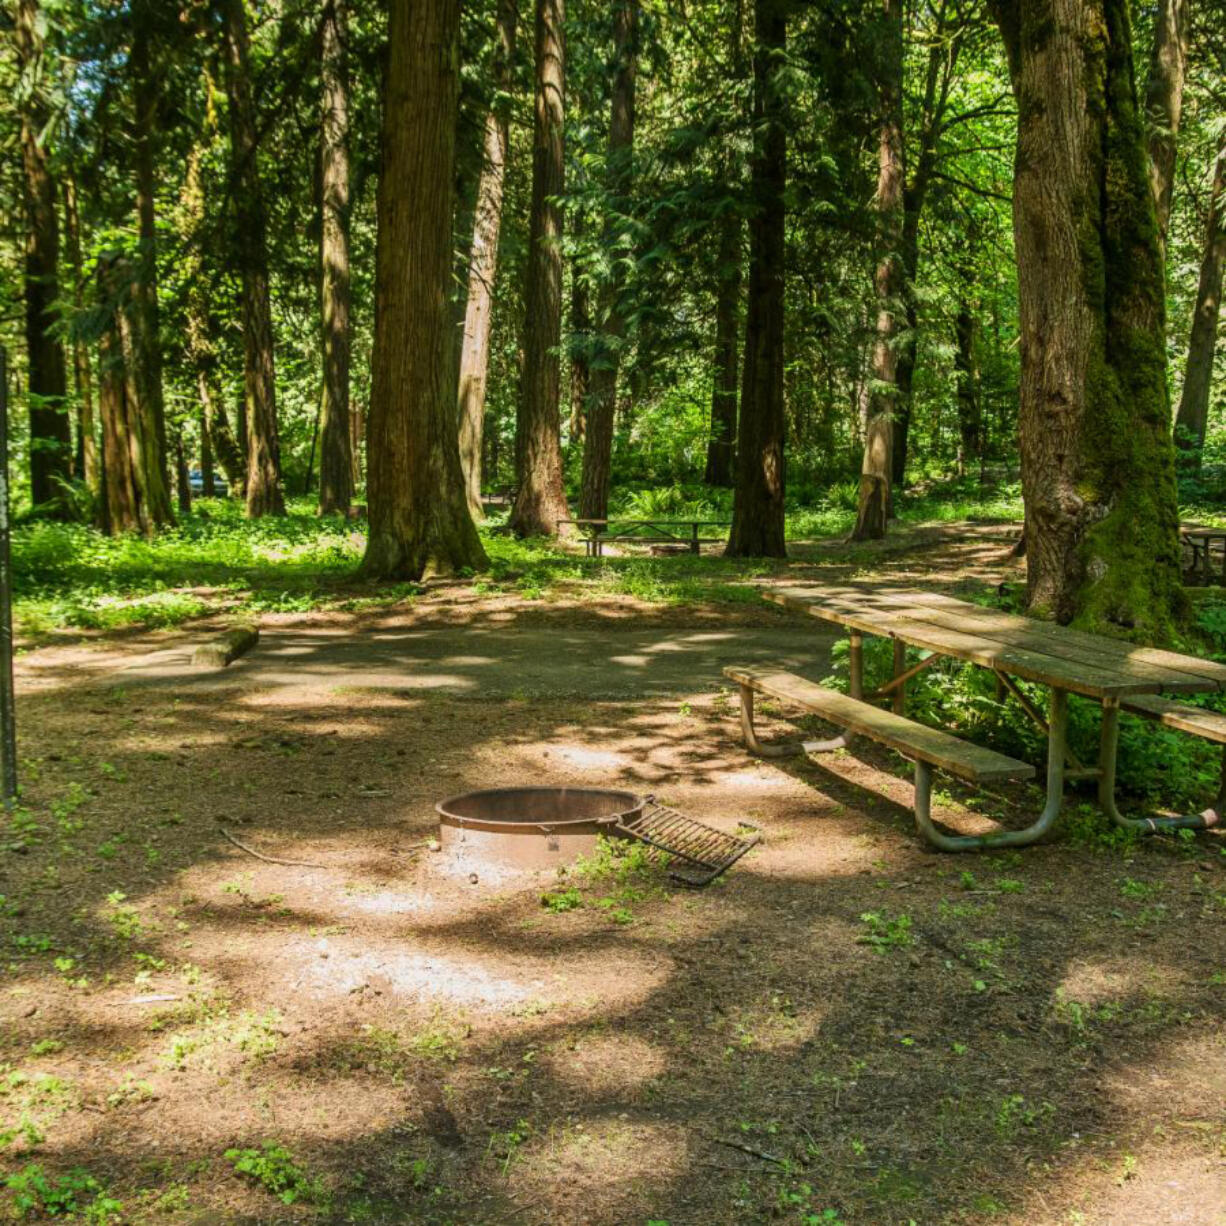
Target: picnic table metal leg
(783, 749)
(1108, 748)
(856, 663)
(1057, 725)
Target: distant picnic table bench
(1118, 675)
(1202, 541)
(685, 534)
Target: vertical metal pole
(8, 714)
(857, 664)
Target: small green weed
(885, 932)
(36, 1194)
(273, 1167)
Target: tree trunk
(581, 339)
(206, 455)
(87, 443)
(1164, 103)
(335, 462)
(721, 445)
(419, 520)
(146, 322)
(970, 422)
(201, 354)
(758, 501)
(50, 431)
(135, 495)
(483, 262)
(264, 496)
(1193, 414)
(611, 312)
(1094, 426)
(876, 470)
(540, 502)
(183, 485)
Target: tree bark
(419, 520)
(540, 502)
(87, 442)
(264, 495)
(1164, 103)
(135, 494)
(148, 356)
(876, 469)
(207, 472)
(483, 262)
(580, 329)
(970, 422)
(611, 312)
(1094, 425)
(335, 462)
(758, 500)
(50, 431)
(721, 445)
(1193, 416)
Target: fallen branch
(259, 855)
(749, 1149)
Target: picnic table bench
(683, 533)
(1118, 675)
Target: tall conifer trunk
(147, 358)
(483, 262)
(50, 430)
(721, 445)
(1094, 428)
(335, 462)
(540, 502)
(87, 442)
(419, 520)
(758, 501)
(876, 471)
(1164, 102)
(264, 495)
(611, 319)
(1193, 416)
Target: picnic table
(1202, 541)
(1115, 674)
(684, 533)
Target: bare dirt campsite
(845, 1027)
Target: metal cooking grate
(706, 852)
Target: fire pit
(545, 828)
(533, 827)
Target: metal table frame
(1060, 764)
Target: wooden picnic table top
(662, 521)
(1073, 660)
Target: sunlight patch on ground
(609, 1064)
(588, 759)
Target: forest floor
(846, 1028)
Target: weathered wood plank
(1209, 725)
(941, 749)
(1072, 675)
(220, 651)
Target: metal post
(8, 713)
(857, 664)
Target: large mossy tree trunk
(47, 382)
(611, 312)
(1164, 102)
(419, 520)
(483, 260)
(721, 443)
(1098, 473)
(876, 469)
(335, 462)
(264, 495)
(1193, 416)
(540, 501)
(758, 498)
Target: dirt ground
(846, 1028)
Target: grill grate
(706, 852)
